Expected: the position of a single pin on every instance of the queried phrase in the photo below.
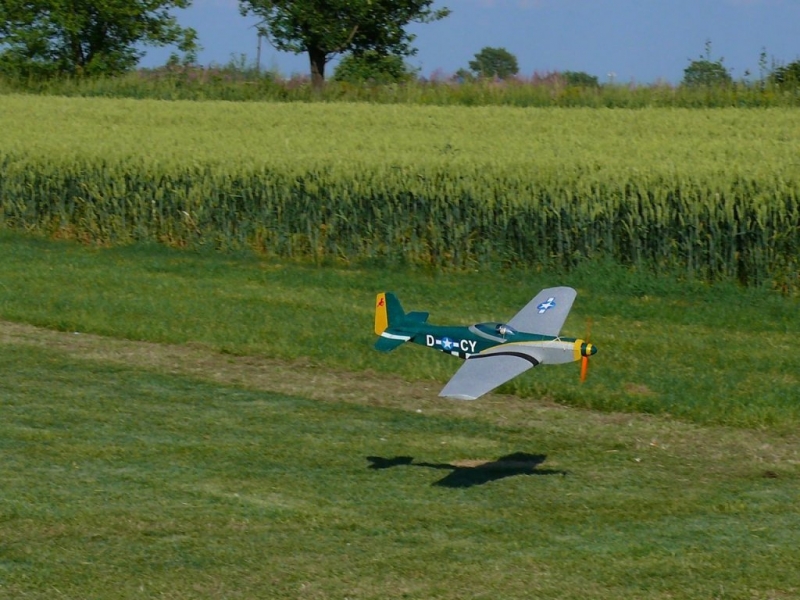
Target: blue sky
(635, 40)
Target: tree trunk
(317, 58)
(78, 57)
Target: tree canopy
(580, 79)
(705, 72)
(86, 37)
(787, 75)
(324, 28)
(494, 62)
(372, 67)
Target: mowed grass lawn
(123, 482)
(253, 445)
(709, 354)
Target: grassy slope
(127, 483)
(707, 354)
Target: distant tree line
(42, 39)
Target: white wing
(481, 373)
(546, 313)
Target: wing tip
(458, 396)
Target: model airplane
(494, 352)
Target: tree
(325, 28)
(463, 76)
(373, 67)
(86, 37)
(580, 79)
(494, 62)
(705, 72)
(787, 75)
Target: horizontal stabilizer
(417, 317)
(389, 341)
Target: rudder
(381, 316)
(388, 312)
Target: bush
(373, 67)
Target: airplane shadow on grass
(466, 473)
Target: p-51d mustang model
(494, 352)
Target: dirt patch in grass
(303, 378)
(619, 432)
(255, 372)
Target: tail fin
(388, 312)
(388, 315)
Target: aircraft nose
(588, 349)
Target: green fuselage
(465, 341)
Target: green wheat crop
(710, 193)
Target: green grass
(127, 483)
(708, 354)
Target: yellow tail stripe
(381, 319)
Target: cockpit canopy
(505, 330)
(496, 329)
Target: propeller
(588, 350)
